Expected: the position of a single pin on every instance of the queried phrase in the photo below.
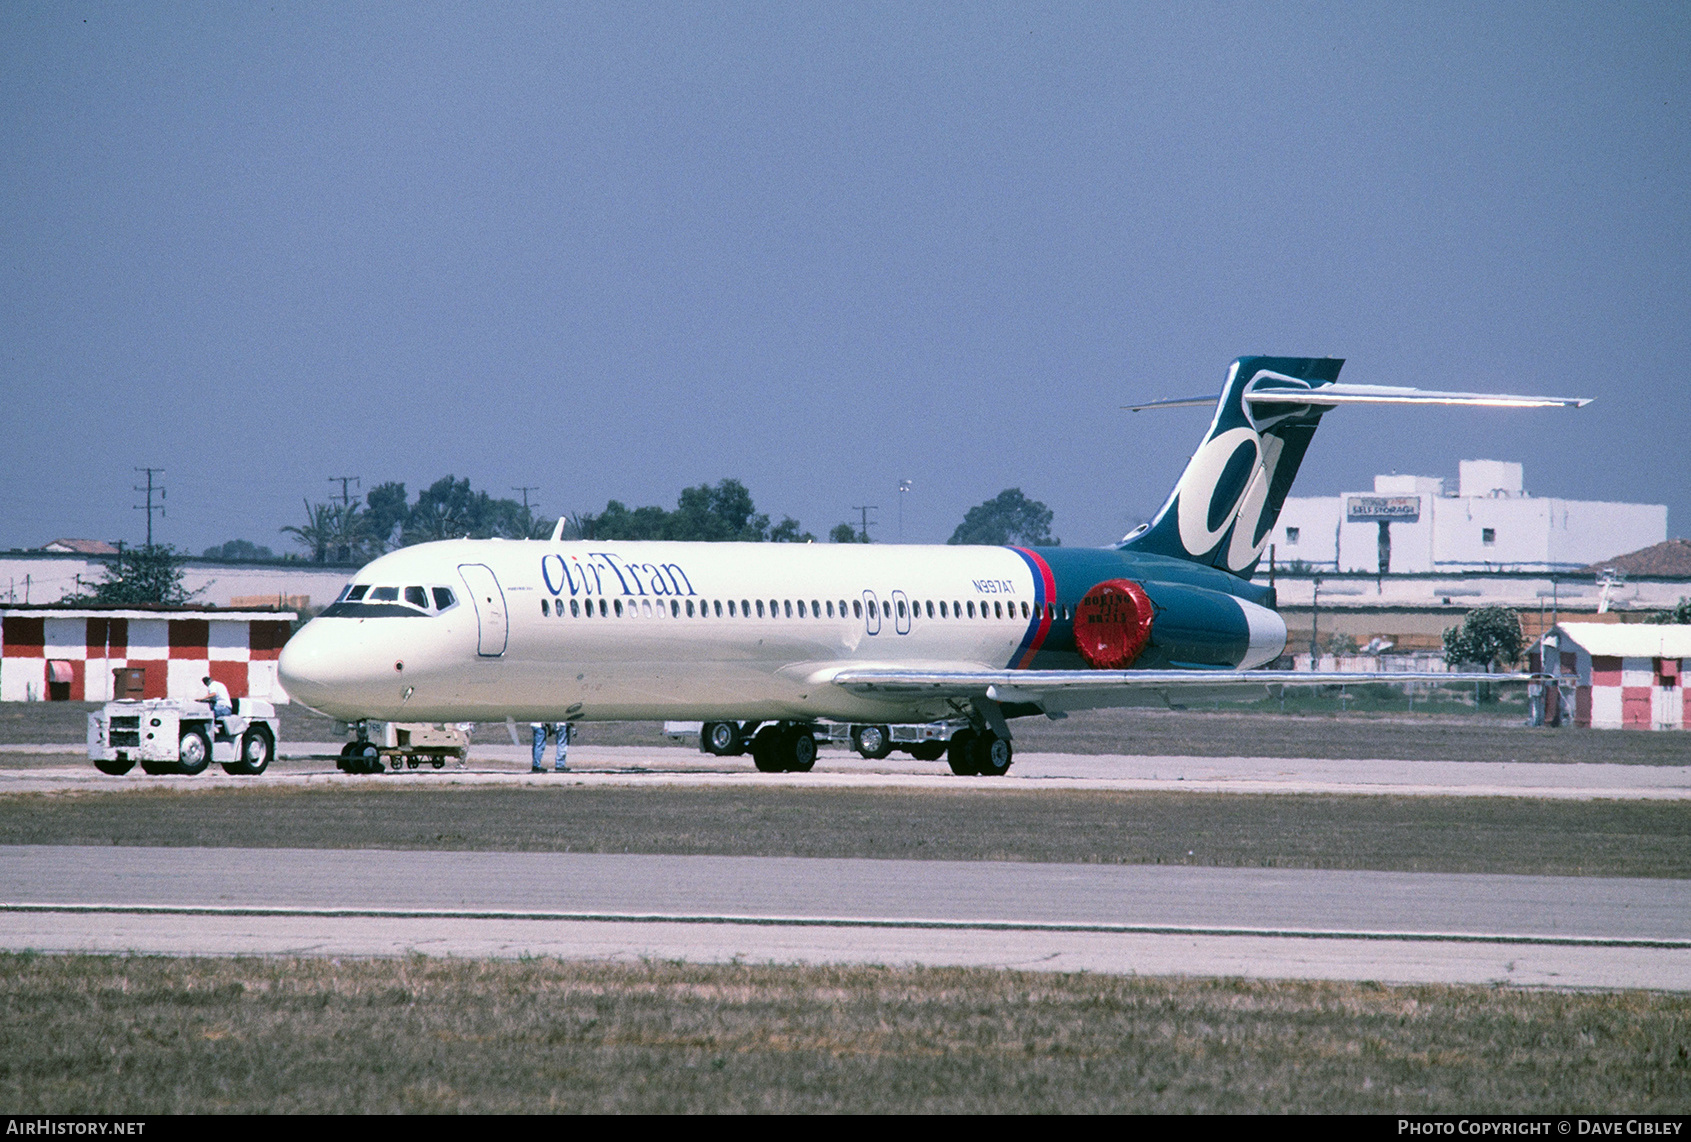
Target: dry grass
(104, 1035)
(1411, 834)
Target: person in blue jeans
(560, 730)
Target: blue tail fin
(1228, 499)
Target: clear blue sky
(613, 250)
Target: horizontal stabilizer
(1339, 393)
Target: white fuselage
(517, 640)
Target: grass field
(1418, 834)
(103, 1035)
(1232, 732)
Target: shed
(95, 654)
(1626, 676)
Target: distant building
(80, 547)
(1412, 524)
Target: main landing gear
(979, 753)
(784, 748)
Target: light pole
(903, 487)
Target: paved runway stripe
(849, 922)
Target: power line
(865, 509)
(149, 506)
(525, 490)
(346, 500)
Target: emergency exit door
(489, 601)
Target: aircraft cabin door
(489, 601)
(901, 612)
(871, 613)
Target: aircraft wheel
(439, 761)
(115, 767)
(193, 753)
(873, 742)
(928, 751)
(961, 753)
(800, 750)
(720, 738)
(991, 755)
(766, 751)
(257, 750)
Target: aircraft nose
(314, 668)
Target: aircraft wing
(1079, 689)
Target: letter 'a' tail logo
(1228, 499)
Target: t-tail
(1226, 503)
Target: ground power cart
(173, 735)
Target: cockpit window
(385, 595)
(443, 598)
(417, 597)
(357, 592)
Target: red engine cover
(1112, 624)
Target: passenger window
(745, 609)
(787, 607)
(942, 613)
(971, 608)
(874, 609)
(901, 608)
(356, 593)
(730, 608)
(997, 610)
(1025, 613)
(760, 608)
(830, 608)
(689, 608)
(801, 608)
(646, 607)
(775, 609)
(417, 597)
(930, 608)
(717, 607)
(545, 607)
(856, 608)
(575, 609)
(618, 605)
(815, 609)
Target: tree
(845, 533)
(331, 531)
(1490, 637)
(723, 513)
(1008, 517)
(239, 549)
(1679, 615)
(787, 531)
(151, 574)
(385, 509)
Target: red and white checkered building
(54, 653)
(1626, 676)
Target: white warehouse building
(1411, 524)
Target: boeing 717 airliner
(768, 638)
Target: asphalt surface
(1581, 932)
(38, 769)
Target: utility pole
(903, 487)
(865, 509)
(149, 506)
(346, 500)
(525, 490)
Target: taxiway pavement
(57, 769)
(1396, 927)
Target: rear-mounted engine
(1112, 624)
